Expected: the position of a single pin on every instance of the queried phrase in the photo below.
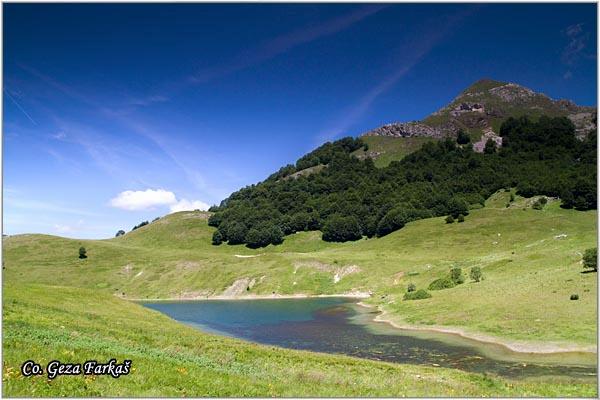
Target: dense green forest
(351, 198)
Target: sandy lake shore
(513, 345)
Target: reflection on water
(338, 325)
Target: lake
(341, 326)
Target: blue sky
(116, 113)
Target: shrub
(256, 238)
(457, 205)
(275, 234)
(121, 232)
(393, 220)
(456, 275)
(512, 198)
(215, 220)
(236, 233)
(341, 229)
(490, 147)
(461, 218)
(574, 297)
(143, 223)
(539, 204)
(442, 283)
(418, 295)
(476, 274)
(462, 137)
(82, 252)
(590, 259)
(217, 238)
(449, 219)
(411, 287)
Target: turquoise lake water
(340, 326)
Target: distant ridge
(481, 108)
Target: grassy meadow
(59, 306)
(530, 261)
(43, 323)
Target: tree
(236, 233)
(476, 274)
(462, 137)
(456, 275)
(490, 147)
(275, 235)
(217, 238)
(393, 220)
(121, 232)
(567, 199)
(143, 223)
(256, 238)
(418, 295)
(82, 252)
(590, 259)
(341, 229)
(457, 206)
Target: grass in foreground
(169, 359)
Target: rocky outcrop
(409, 129)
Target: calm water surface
(339, 325)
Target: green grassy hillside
(43, 323)
(385, 149)
(530, 260)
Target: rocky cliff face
(483, 106)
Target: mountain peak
(483, 85)
(482, 107)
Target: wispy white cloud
(35, 206)
(69, 229)
(281, 44)
(410, 56)
(578, 39)
(14, 101)
(576, 48)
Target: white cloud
(143, 199)
(148, 199)
(187, 205)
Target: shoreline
(516, 346)
(356, 295)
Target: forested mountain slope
(348, 198)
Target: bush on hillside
(590, 259)
(449, 219)
(574, 297)
(217, 238)
(417, 295)
(143, 223)
(476, 274)
(341, 229)
(441, 283)
(411, 287)
(392, 221)
(82, 252)
(461, 218)
(462, 137)
(121, 232)
(457, 276)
